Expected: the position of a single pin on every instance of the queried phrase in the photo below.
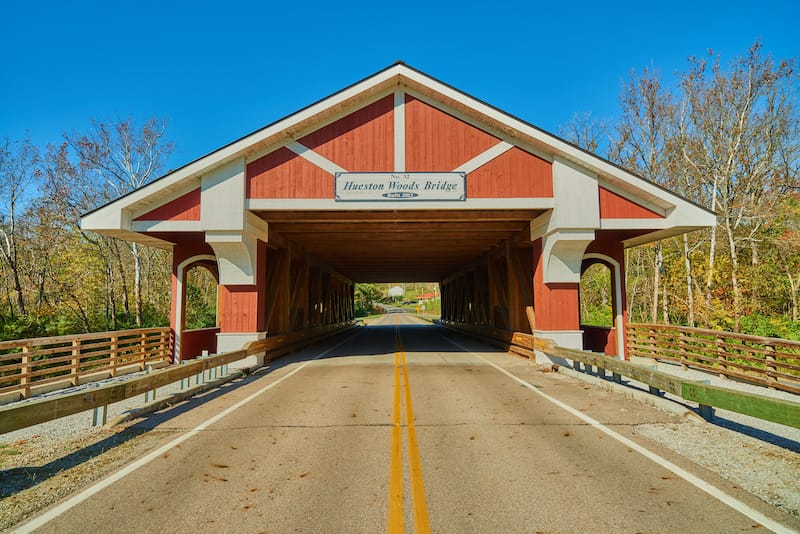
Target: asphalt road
(325, 444)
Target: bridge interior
(400, 245)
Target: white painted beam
(312, 157)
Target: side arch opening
(197, 318)
(601, 316)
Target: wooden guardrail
(760, 406)
(770, 362)
(35, 411)
(30, 364)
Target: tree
(642, 145)
(120, 157)
(738, 138)
(18, 171)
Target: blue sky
(218, 70)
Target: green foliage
(200, 313)
(596, 298)
(365, 296)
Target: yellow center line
(396, 470)
(421, 521)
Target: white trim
(179, 304)
(485, 157)
(167, 226)
(233, 341)
(634, 224)
(312, 157)
(399, 131)
(618, 319)
(318, 204)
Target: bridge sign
(372, 186)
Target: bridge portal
(398, 177)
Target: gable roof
(398, 75)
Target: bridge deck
(313, 452)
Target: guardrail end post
(706, 412)
(100, 415)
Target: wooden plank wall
(493, 292)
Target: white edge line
(141, 462)
(699, 483)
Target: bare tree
(18, 170)
(642, 137)
(123, 157)
(735, 138)
(586, 131)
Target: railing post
(142, 343)
(76, 362)
(652, 339)
(25, 372)
(770, 361)
(682, 346)
(114, 349)
(163, 348)
(723, 373)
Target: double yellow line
(395, 522)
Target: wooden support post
(25, 372)
(143, 354)
(772, 369)
(114, 352)
(164, 344)
(653, 346)
(683, 347)
(531, 314)
(721, 361)
(75, 368)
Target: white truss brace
(399, 131)
(484, 157)
(309, 155)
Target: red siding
(183, 208)
(600, 339)
(284, 174)
(361, 142)
(614, 206)
(238, 306)
(555, 305)
(436, 141)
(513, 174)
(242, 307)
(194, 342)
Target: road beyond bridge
(327, 443)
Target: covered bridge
(398, 177)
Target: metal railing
(28, 365)
(766, 361)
